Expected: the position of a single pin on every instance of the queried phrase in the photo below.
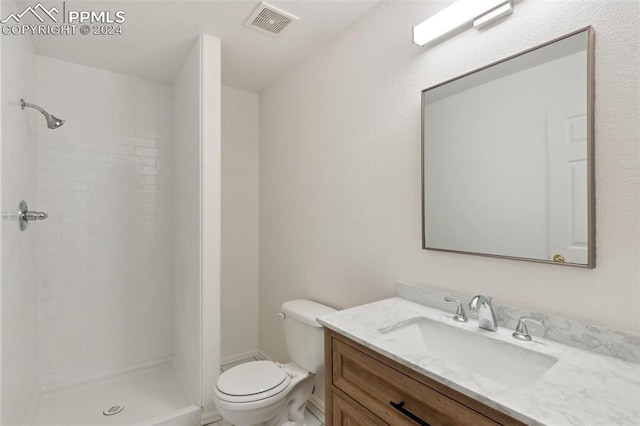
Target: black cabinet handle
(400, 407)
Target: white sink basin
(504, 362)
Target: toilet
(266, 393)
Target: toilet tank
(304, 335)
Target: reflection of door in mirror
(567, 150)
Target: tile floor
(310, 418)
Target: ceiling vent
(269, 20)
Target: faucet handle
(461, 315)
(522, 333)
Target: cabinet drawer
(350, 413)
(376, 385)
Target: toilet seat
(252, 381)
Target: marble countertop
(582, 388)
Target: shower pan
(102, 302)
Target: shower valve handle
(31, 215)
(25, 215)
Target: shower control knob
(25, 215)
(30, 215)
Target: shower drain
(113, 409)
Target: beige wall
(340, 169)
(239, 286)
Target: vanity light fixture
(493, 15)
(459, 14)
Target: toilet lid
(254, 380)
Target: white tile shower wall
(18, 386)
(105, 268)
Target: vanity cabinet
(364, 388)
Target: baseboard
(210, 414)
(263, 355)
(316, 406)
(239, 357)
(317, 403)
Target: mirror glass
(507, 157)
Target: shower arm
(25, 104)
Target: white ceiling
(158, 35)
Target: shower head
(53, 122)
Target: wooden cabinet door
(350, 414)
(366, 388)
(377, 386)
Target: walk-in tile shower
(103, 298)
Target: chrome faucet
(486, 315)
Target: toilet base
(292, 413)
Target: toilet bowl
(284, 394)
(266, 393)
